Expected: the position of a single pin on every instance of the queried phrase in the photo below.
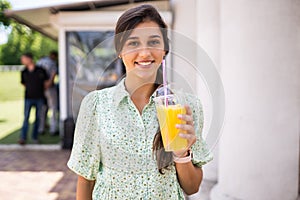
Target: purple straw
(165, 81)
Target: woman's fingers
(187, 136)
(186, 127)
(191, 138)
(190, 133)
(188, 110)
(187, 118)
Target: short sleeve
(201, 154)
(85, 155)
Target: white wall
(198, 21)
(208, 38)
(183, 53)
(196, 26)
(259, 150)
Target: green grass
(10, 86)
(12, 109)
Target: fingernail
(179, 116)
(181, 134)
(177, 125)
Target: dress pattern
(113, 145)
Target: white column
(184, 26)
(63, 87)
(208, 38)
(198, 22)
(260, 61)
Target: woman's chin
(145, 75)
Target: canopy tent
(39, 18)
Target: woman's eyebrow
(132, 38)
(154, 36)
(136, 38)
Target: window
(91, 64)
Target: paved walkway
(36, 175)
(37, 172)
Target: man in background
(49, 64)
(35, 80)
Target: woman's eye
(154, 42)
(133, 43)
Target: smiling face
(143, 51)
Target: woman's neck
(138, 88)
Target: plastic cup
(168, 108)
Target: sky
(24, 4)
(3, 35)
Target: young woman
(117, 132)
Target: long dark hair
(126, 23)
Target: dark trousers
(29, 103)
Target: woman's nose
(144, 52)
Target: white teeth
(144, 63)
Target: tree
(21, 39)
(4, 21)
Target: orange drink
(168, 118)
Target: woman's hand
(189, 176)
(189, 129)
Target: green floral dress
(113, 145)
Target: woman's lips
(144, 64)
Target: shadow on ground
(38, 161)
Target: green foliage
(4, 21)
(22, 39)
